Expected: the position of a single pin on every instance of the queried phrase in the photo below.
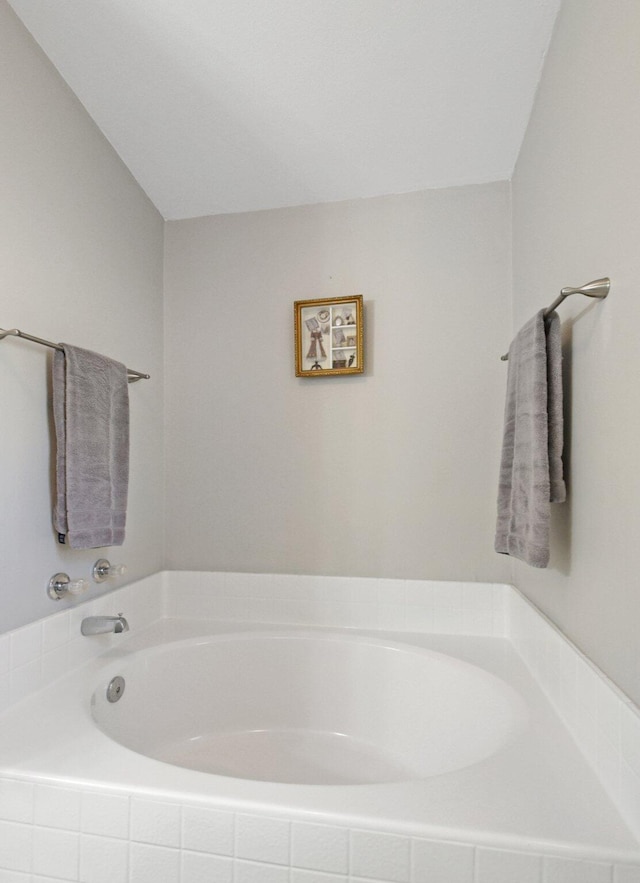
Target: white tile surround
(52, 833)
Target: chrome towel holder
(132, 376)
(599, 288)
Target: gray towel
(91, 416)
(531, 468)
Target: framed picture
(329, 336)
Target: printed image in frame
(329, 336)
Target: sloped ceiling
(235, 105)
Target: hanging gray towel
(531, 468)
(91, 416)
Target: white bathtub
(442, 737)
(309, 708)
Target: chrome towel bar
(598, 288)
(133, 376)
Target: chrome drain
(115, 689)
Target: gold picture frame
(329, 336)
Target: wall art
(329, 336)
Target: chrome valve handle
(103, 569)
(61, 586)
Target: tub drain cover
(115, 689)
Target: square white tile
(626, 874)
(26, 644)
(263, 839)
(16, 800)
(300, 876)
(56, 853)
(198, 867)
(450, 862)
(320, 847)
(497, 866)
(561, 870)
(153, 864)
(16, 846)
(252, 872)
(380, 856)
(57, 808)
(103, 860)
(207, 830)
(155, 822)
(105, 814)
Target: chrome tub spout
(104, 625)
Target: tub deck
(536, 794)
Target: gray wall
(80, 261)
(391, 473)
(576, 196)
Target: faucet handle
(103, 569)
(60, 586)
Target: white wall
(80, 261)
(576, 196)
(390, 473)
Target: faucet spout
(104, 625)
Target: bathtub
(398, 742)
(308, 708)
